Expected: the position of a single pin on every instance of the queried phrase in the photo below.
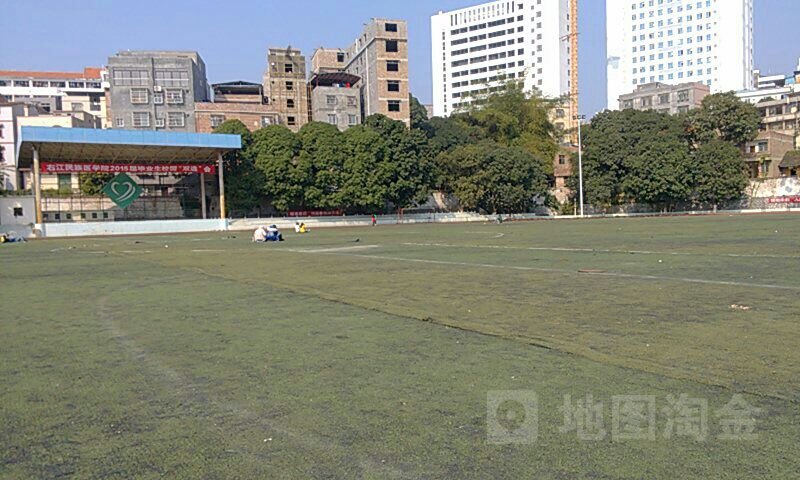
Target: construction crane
(572, 38)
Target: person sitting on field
(296, 227)
(273, 234)
(303, 228)
(11, 237)
(260, 235)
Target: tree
(364, 188)
(243, 181)
(719, 173)
(319, 165)
(660, 173)
(491, 178)
(419, 115)
(91, 184)
(273, 151)
(725, 116)
(511, 116)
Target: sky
(232, 36)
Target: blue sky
(232, 36)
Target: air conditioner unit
(157, 88)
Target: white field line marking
(209, 251)
(568, 272)
(332, 250)
(601, 250)
(135, 252)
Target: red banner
(317, 213)
(49, 167)
(784, 200)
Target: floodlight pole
(37, 186)
(203, 194)
(580, 161)
(221, 176)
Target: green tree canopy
(273, 151)
(492, 178)
(719, 173)
(725, 116)
(419, 115)
(243, 181)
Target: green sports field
(376, 352)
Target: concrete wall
(7, 205)
(50, 230)
(347, 102)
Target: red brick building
(243, 101)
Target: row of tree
(669, 160)
(493, 159)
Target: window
(3, 83)
(352, 120)
(140, 119)
(391, 27)
(94, 104)
(94, 85)
(330, 99)
(21, 83)
(58, 84)
(340, 57)
(158, 98)
(76, 107)
(663, 98)
(175, 97)
(562, 160)
(291, 121)
(130, 77)
(391, 46)
(332, 118)
(1, 130)
(683, 96)
(288, 68)
(289, 103)
(216, 120)
(172, 78)
(392, 66)
(119, 122)
(64, 181)
(176, 119)
(17, 211)
(289, 85)
(77, 85)
(394, 105)
(160, 122)
(139, 96)
(393, 86)
(39, 83)
(265, 121)
(351, 101)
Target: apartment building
(59, 91)
(478, 47)
(379, 58)
(243, 101)
(285, 86)
(156, 90)
(10, 112)
(678, 41)
(665, 98)
(335, 99)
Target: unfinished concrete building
(379, 57)
(285, 86)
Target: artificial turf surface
(207, 356)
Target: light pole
(580, 118)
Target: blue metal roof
(121, 146)
(148, 138)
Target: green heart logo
(122, 190)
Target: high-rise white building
(679, 41)
(486, 43)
